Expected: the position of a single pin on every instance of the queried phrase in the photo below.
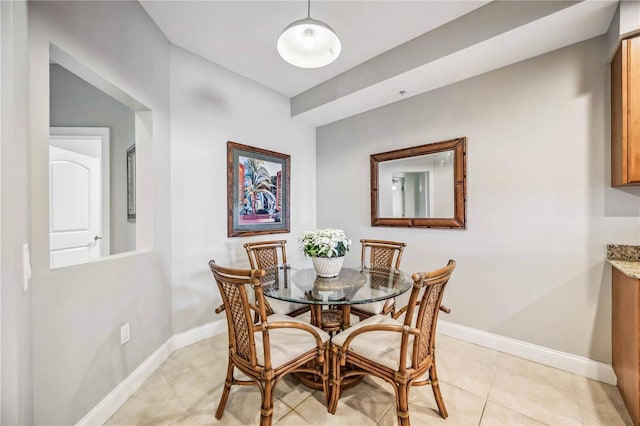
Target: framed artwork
(131, 184)
(258, 183)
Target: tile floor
(480, 387)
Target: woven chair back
(232, 284)
(431, 286)
(381, 254)
(264, 254)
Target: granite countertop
(625, 258)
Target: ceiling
(387, 46)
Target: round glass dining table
(353, 285)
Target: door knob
(96, 238)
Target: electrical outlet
(124, 334)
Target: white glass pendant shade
(308, 43)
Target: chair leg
(225, 392)
(335, 381)
(326, 387)
(266, 412)
(402, 404)
(435, 386)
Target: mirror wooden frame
(459, 219)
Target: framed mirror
(422, 186)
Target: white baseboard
(560, 360)
(119, 395)
(197, 334)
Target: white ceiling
(242, 35)
(383, 43)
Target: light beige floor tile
(185, 421)
(212, 351)
(604, 416)
(363, 404)
(389, 417)
(243, 407)
(468, 350)
(468, 374)
(497, 415)
(464, 407)
(535, 399)
(153, 404)
(371, 396)
(292, 419)
(193, 383)
(292, 392)
(592, 392)
(553, 377)
(600, 403)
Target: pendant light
(309, 43)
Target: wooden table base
(332, 321)
(312, 381)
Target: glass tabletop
(352, 286)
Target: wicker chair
(262, 255)
(378, 254)
(267, 350)
(401, 354)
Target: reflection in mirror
(417, 187)
(89, 136)
(422, 186)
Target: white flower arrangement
(325, 243)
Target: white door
(75, 207)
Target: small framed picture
(131, 184)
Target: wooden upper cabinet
(625, 114)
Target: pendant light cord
(308, 9)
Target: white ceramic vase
(327, 266)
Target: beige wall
(539, 207)
(64, 354)
(210, 106)
(78, 311)
(16, 371)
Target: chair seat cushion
(286, 343)
(282, 307)
(372, 308)
(382, 347)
